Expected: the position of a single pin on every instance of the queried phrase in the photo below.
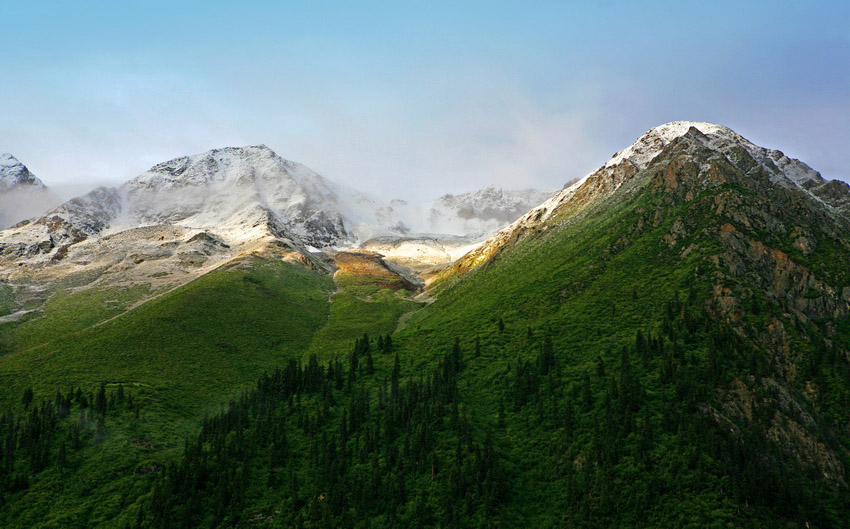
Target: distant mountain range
(244, 193)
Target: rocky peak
(22, 195)
(705, 138)
(705, 154)
(213, 165)
(13, 173)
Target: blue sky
(414, 99)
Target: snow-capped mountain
(231, 188)
(22, 194)
(787, 172)
(239, 192)
(707, 143)
(13, 173)
(236, 191)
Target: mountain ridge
(625, 164)
(231, 187)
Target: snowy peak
(210, 166)
(704, 146)
(13, 173)
(788, 172)
(650, 144)
(231, 187)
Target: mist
(22, 203)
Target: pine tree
(370, 363)
(27, 398)
(100, 400)
(396, 372)
(62, 457)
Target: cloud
(457, 103)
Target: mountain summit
(785, 171)
(705, 155)
(13, 173)
(231, 188)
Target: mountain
(707, 142)
(662, 344)
(22, 195)
(186, 216)
(695, 292)
(234, 188)
(229, 190)
(473, 215)
(13, 173)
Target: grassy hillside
(355, 310)
(209, 336)
(180, 356)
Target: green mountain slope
(671, 352)
(666, 346)
(176, 358)
(750, 327)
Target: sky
(413, 100)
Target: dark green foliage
(42, 436)
(412, 461)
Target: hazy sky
(413, 99)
